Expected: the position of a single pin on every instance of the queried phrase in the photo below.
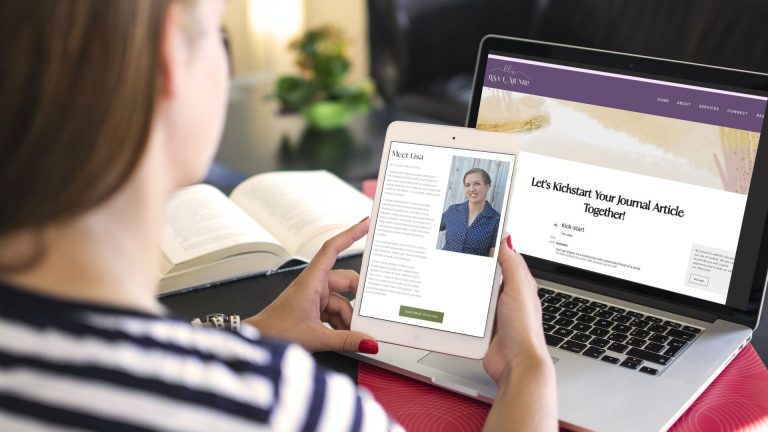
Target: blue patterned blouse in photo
(476, 239)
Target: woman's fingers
(326, 257)
(336, 322)
(345, 340)
(513, 267)
(343, 281)
(339, 306)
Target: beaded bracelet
(219, 320)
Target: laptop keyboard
(612, 334)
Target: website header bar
(647, 96)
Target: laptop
(641, 209)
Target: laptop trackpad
(468, 369)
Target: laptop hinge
(655, 303)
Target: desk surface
(246, 297)
(734, 401)
(725, 400)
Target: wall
(260, 30)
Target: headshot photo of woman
(472, 226)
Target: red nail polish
(509, 243)
(368, 346)
(363, 219)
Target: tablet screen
(440, 215)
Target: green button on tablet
(421, 314)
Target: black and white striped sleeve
(130, 373)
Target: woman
(108, 107)
(471, 227)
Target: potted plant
(319, 92)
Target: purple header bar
(627, 93)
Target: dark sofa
(423, 51)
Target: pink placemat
(737, 399)
(369, 188)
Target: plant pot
(329, 114)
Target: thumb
(507, 252)
(513, 267)
(350, 341)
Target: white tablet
(429, 277)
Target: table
(256, 139)
(736, 400)
(247, 297)
(727, 403)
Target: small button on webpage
(698, 279)
(421, 314)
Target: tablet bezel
(411, 335)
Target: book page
(229, 268)
(201, 221)
(302, 207)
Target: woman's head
(87, 83)
(477, 182)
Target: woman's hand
(517, 358)
(313, 298)
(518, 338)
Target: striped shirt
(72, 366)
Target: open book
(268, 220)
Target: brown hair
(79, 81)
(482, 172)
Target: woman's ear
(173, 51)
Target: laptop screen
(630, 177)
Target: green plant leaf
(321, 57)
(328, 114)
(294, 92)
